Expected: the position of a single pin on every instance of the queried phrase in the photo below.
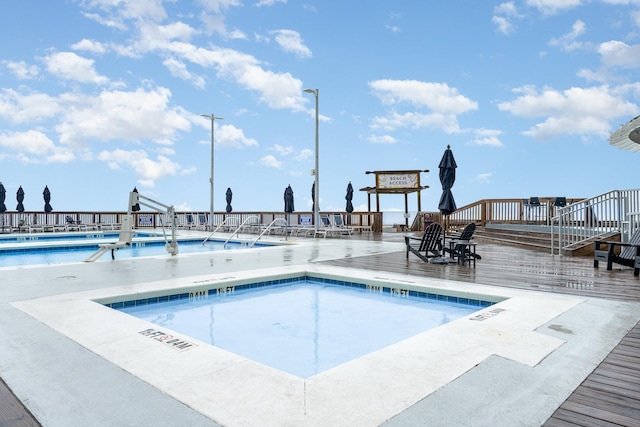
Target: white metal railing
(238, 229)
(225, 223)
(613, 212)
(267, 229)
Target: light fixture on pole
(213, 118)
(316, 171)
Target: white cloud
(506, 8)
(130, 9)
(69, 66)
(304, 154)
(445, 122)
(269, 2)
(568, 41)
(620, 54)
(231, 136)
(504, 25)
(148, 169)
(119, 115)
(89, 46)
(483, 178)
(290, 41)
(439, 97)
(489, 137)
(33, 147)
(179, 69)
(552, 7)
(281, 150)
(271, 162)
(107, 22)
(504, 13)
(219, 6)
(276, 90)
(382, 139)
(18, 107)
(575, 111)
(21, 70)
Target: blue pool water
(78, 253)
(49, 237)
(304, 327)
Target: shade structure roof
(627, 137)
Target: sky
(100, 96)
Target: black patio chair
(459, 244)
(629, 253)
(430, 244)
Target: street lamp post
(316, 196)
(213, 118)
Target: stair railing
(586, 220)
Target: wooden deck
(611, 394)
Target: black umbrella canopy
(229, 197)
(3, 196)
(447, 167)
(47, 198)
(313, 197)
(20, 199)
(288, 200)
(349, 198)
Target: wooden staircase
(537, 238)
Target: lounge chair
(629, 253)
(338, 223)
(459, 245)
(203, 223)
(74, 225)
(326, 227)
(189, 222)
(430, 244)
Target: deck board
(610, 395)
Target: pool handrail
(266, 229)
(235, 232)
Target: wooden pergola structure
(396, 182)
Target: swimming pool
(79, 248)
(235, 390)
(303, 325)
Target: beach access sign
(393, 181)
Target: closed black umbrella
(229, 197)
(20, 199)
(447, 167)
(288, 200)
(288, 205)
(47, 198)
(313, 197)
(349, 198)
(3, 195)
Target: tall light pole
(213, 119)
(316, 196)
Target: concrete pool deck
(71, 367)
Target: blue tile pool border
(275, 282)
